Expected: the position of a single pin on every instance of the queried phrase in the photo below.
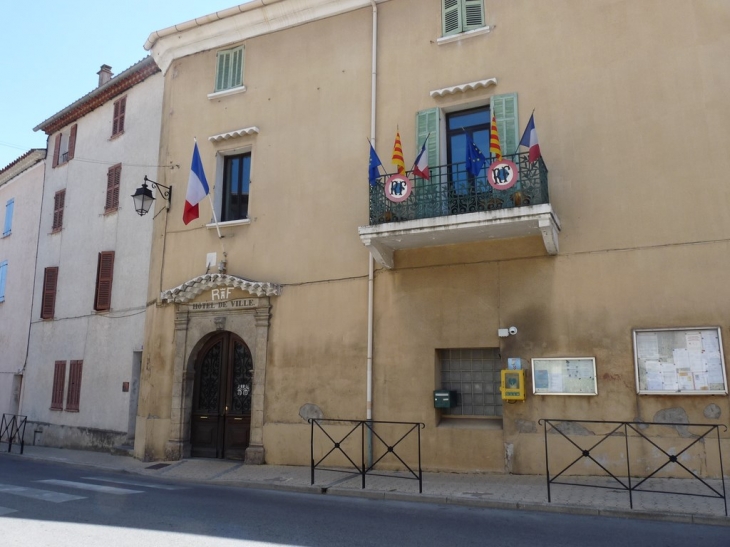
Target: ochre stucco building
(622, 225)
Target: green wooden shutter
(452, 17)
(504, 108)
(427, 125)
(427, 121)
(473, 16)
(224, 63)
(237, 68)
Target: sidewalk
(526, 492)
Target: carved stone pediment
(190, 289)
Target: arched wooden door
(221, 416)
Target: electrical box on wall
(443, 398)
(513, 385)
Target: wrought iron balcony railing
(453, 191)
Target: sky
(51, 52)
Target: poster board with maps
(564, 376)
(680, 361)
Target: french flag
(420, 168)
(197, 188)
(529, 139)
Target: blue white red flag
(197, 188)
(420, 168)
(529, 139)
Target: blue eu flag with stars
(475, 159)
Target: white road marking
(135, 483)
(6, 510)
(45, 495)
(93, 487)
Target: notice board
(680, 361)
(564, 376)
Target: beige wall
(627, 98)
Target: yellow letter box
(513, 385)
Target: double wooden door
(221, 416)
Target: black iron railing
(451, 190)
(12, 430)
(634, 431)
(347, 446)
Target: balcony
(456, 207)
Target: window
(74, 386)
(8, 227)
(120, 107)
(59, 378)
(236, 179)
(475, 376)
(474, 123)
(113, 176)
(461, 15)
(59, 201)
(48, 302)
(3, 277)
(65, 147)
(104, 275)
(229, 69)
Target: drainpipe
(373, 104)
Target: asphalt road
(59, 505)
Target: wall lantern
(143, 196)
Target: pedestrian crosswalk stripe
(93, 487)
(136, 483)
(45, 495)
(6, 510)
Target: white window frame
(220, 161)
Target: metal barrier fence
(12, 430)
(632, 430)
(361, 468)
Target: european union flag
(475, 159)
(373, 172)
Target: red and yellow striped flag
(494, 147)
(398, 155)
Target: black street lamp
(143, 196)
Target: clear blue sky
(51, 52)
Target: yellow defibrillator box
(513, 385)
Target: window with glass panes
(475, 123)
(236, 179)
(474, 373)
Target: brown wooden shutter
(59, 200)
(113, 178)
(74, 386)
(56, 151)
(104, 275)
(59, 378)
(72, 142)
(50, 282)
(120, 108)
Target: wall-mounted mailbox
(513, 385)
(443, 398)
